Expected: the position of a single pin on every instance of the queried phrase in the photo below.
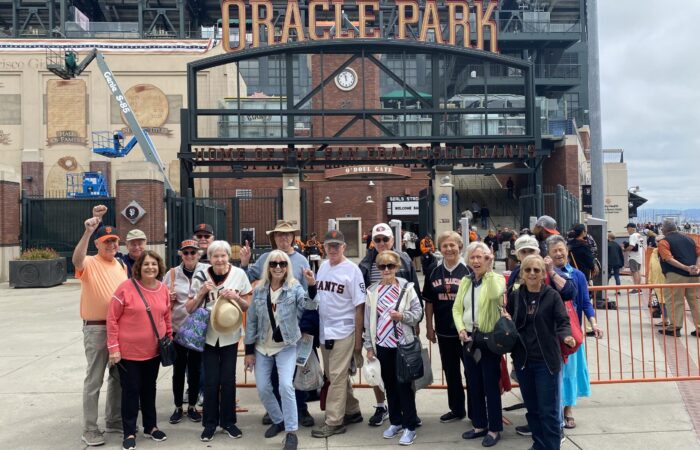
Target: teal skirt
(575, 380)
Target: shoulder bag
(576, 331)
(409, 361)
(193, 332)
(165, 344)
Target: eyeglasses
(189, 252)
(383, 267)
(379, 239)
(281, 264)
(532, 269)
(202, 236)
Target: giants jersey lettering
(330, 287)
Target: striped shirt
(386, 302)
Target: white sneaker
(407, 437)
(392, 431)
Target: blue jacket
(291, 303)
(582, 300)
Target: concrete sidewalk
(42, 367)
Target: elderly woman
(230, 283)
(179, 280)
(541, 319)
(439, 291)
(392, 309)
(132, 345)
(476, 310)
(575, 374)
(272, 332)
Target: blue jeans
(540, 391)
(286, 363)
(614, 272)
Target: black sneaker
(156, 435)
(176, 417)
(306, 419)
(450, 417)
(207, 434)
(266, 419)
(233, 432)
(193, 414)
(419, 422)
(129, 443)
(352, 418)
(274, 430)
(290, 442)
(380, 415)
(523, 430)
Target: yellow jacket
(490, 300)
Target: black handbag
(166, 348)
(409, 362)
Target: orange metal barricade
(631, 350)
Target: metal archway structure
(462, 119)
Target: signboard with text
(402, 206)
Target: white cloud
(650, 96)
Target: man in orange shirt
(99, 276)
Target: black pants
(190, 361)
(484, 393)
(301, 396)
(138, 380)
(219, 385)
(451, 357)
(400, 397)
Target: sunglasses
(381, 239)
(202, 236)
(383, 267)
(281, 264)
(189, 252)
(532, 269)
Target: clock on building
(346, 80)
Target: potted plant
(38, 267)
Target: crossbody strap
(473, 295)
(398, 302)
(273, 322)
(148, 309)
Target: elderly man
(341, 298)
(135, 242)
(545, 227)
(282, 237)
(99, 276)
(680, 263)
(204, 235)
(383, 239)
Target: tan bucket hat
(226, 316)
(283, 226)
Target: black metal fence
(553, 201)
(58, 223)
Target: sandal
(569, 422)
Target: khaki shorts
(634, 266)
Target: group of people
(376, 305)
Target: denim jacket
(291, 303)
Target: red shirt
(129, 330)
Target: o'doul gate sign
(327, 19)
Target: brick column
(9, 219)
(33, 178)
(142, 181)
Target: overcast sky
(650, 95)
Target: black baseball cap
(106, 232)
(203, 228)
(334, 237)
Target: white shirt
(236, 279)
(410, 240)
(270, 347)
(467, 304)
(340, 289)
(636, 239)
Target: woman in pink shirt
(133, 346)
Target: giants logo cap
(334, 237)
